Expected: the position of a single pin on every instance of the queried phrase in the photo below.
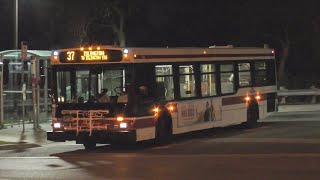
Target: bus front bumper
(99, 136)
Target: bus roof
(175, 54)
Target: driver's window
(82, 84)
(113, 80)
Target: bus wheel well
(163, 134)
(252, 114)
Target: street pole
(15, 15)
(1, 94)
(34, 92)
(38, 90)
(45, 67)
(24, 54)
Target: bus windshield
(89, 85)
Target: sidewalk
(15, 137)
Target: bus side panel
(145, 133)
(193, 115)
(234, 114)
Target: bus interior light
(61, 99)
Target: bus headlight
(56, 125)
(123, 125)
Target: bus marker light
(258, 97)
(98, 48)
(90, 48)
(120, 118)
(56, 53)
(126, 51)
(81, 48)
(247, 98)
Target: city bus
(155, 93)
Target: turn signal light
(156, 110)
(120, 118)
(171, 108)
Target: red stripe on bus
(239, 99)
(143, 123)
(200, 55)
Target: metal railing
(284, 94)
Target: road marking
(173, 155)
(265, 140)
(49, 157)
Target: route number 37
(70, 55)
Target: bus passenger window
(187, 81)
(208, 80)
(244, 74)
(164, 79)
(226, 77)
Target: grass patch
(2, 143)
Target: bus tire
(89, 145)
(163, 134)
(252, 115)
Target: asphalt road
(284, 146)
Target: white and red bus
(154, 93)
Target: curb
(21, 146)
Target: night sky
(55, 24)
(292, 25)
(49, 24)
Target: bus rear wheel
(163, 131)
(252, 116)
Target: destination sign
(93, 56)
(90, 56)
